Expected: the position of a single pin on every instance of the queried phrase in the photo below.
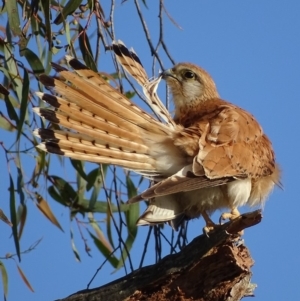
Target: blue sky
(252, 50)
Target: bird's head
(189, 85)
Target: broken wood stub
(214, 268)
(215, 277)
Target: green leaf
(75, 251)
(33, 60)
(99, 233)
(64, 192)
(14, 22)
(13, 101)
(68, 33)
(24, 102)
(40, 166)
(6, 125)
(13, 216)
(20, 184)
(130, 94)
(22, 216)
(13, 17)
(86, 50)
(10, 110)
(131, 189)
(144, 1)
(105, 251)
(68, 9)
(131, 216)
(97, 186)
(78, 165)
(81, 187)
(12, 74)
(54, 193)
(4, 278)
(99, 207)
(91, 178)
(46, 8)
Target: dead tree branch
(215, 268)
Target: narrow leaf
(24, 278)
(132, 214)
(10, 110)
(13, 216)
(22, 214)
(4, 218)
(57, 197)
(43, 206)
(131, 217)
(14, 22)
(75, 251)
(6, 125)
(33, 60)
(106, 252)
(96, 190)
(78, 165)
(4, 278)
(46, 8)
(86, 49)
(12, 74)
(20, 182)
(67, 194)
(99, 233)
(91, 178)
(13, 17)
(69, 8)
(24, 102)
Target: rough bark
(211, 268)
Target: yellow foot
(229, 215)
(210, 225)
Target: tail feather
(98, 81)
(132, 64)
(55, 148)
(127, 137)
(105, 99)
(81, 142)
(102, 125)
(86, 95)
(91, 113)
(76, 143)
(161, 210)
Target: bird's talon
(229, 215)
(206, 230)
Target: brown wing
(226, 142)
(231, 144)
(184, 180)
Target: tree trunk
(211, 268)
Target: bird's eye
(189, 74)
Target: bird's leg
(234, 213)
(209, 224)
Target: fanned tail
(99, 123)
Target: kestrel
(210, 155)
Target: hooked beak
(168, 73)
